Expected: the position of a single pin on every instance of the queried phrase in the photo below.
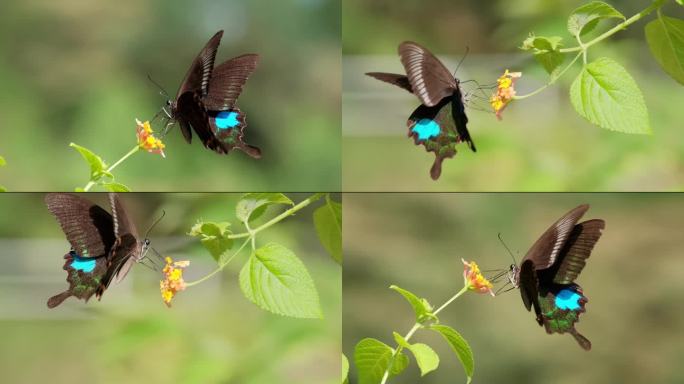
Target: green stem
(220, 268)
(416, 327)
(278, 218)
(250, 235)
(552, 81)
(111, 168)
(655, 5)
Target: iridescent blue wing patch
(228, 126)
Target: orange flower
(173, 279)
(474, 280)
(147, 140)
(505, 91)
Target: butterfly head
(514, 275)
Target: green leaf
(606, 95)
(345, 369)
(115, 187)
(328, 222)
(459, 346)
(546, 51)
(584, 18)
(421, 307)
(542, 43)
(401, 361)
(214, 237)
(2, 189)
(550, 60)
(2, 161)
(426, 357)
(372, 358)
(253, 205)
(665, 37)
(277, 281)
(97, 165)
(680, 2)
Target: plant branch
(416, 327)
(220, 268)
(655, 5)
(91, 183)
(552, 81)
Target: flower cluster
(173, 279)
(147, 140)
(474, 280)
(505, 90)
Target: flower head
(474, 280)
(505, 90)
(173, 279)
(147, 140)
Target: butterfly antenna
(462, 58)
(162, 90)
(508, 249)
(155, 223)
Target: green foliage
(421, 307)
(345, 369)
(2, 164)
(584, 18)
(606, 95)
(253, 205)
(372, 358)
(277, 281)
(100, 173)
(328, 222)
(546, 51)
(426, 358)
(665, 37)
(459, 346)
(215, 237)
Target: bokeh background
(542, 144)
(633, 281)
(74, 71)
(212, 334)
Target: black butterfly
(104, 247)
(547, 273)
(206, 100)
(440, 122)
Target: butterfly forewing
(547, 248)
(430, 80)
(88, 228)
(400, 81)
(197, 78)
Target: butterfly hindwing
(440, 128)
(561, 307)
(84, 276)
(228, 127)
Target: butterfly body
(547, 273)
(440, 122)
(206, 100)
(104, 246)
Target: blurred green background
(74, 71)
(633, 281)
(212, 334)
(542, 143)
